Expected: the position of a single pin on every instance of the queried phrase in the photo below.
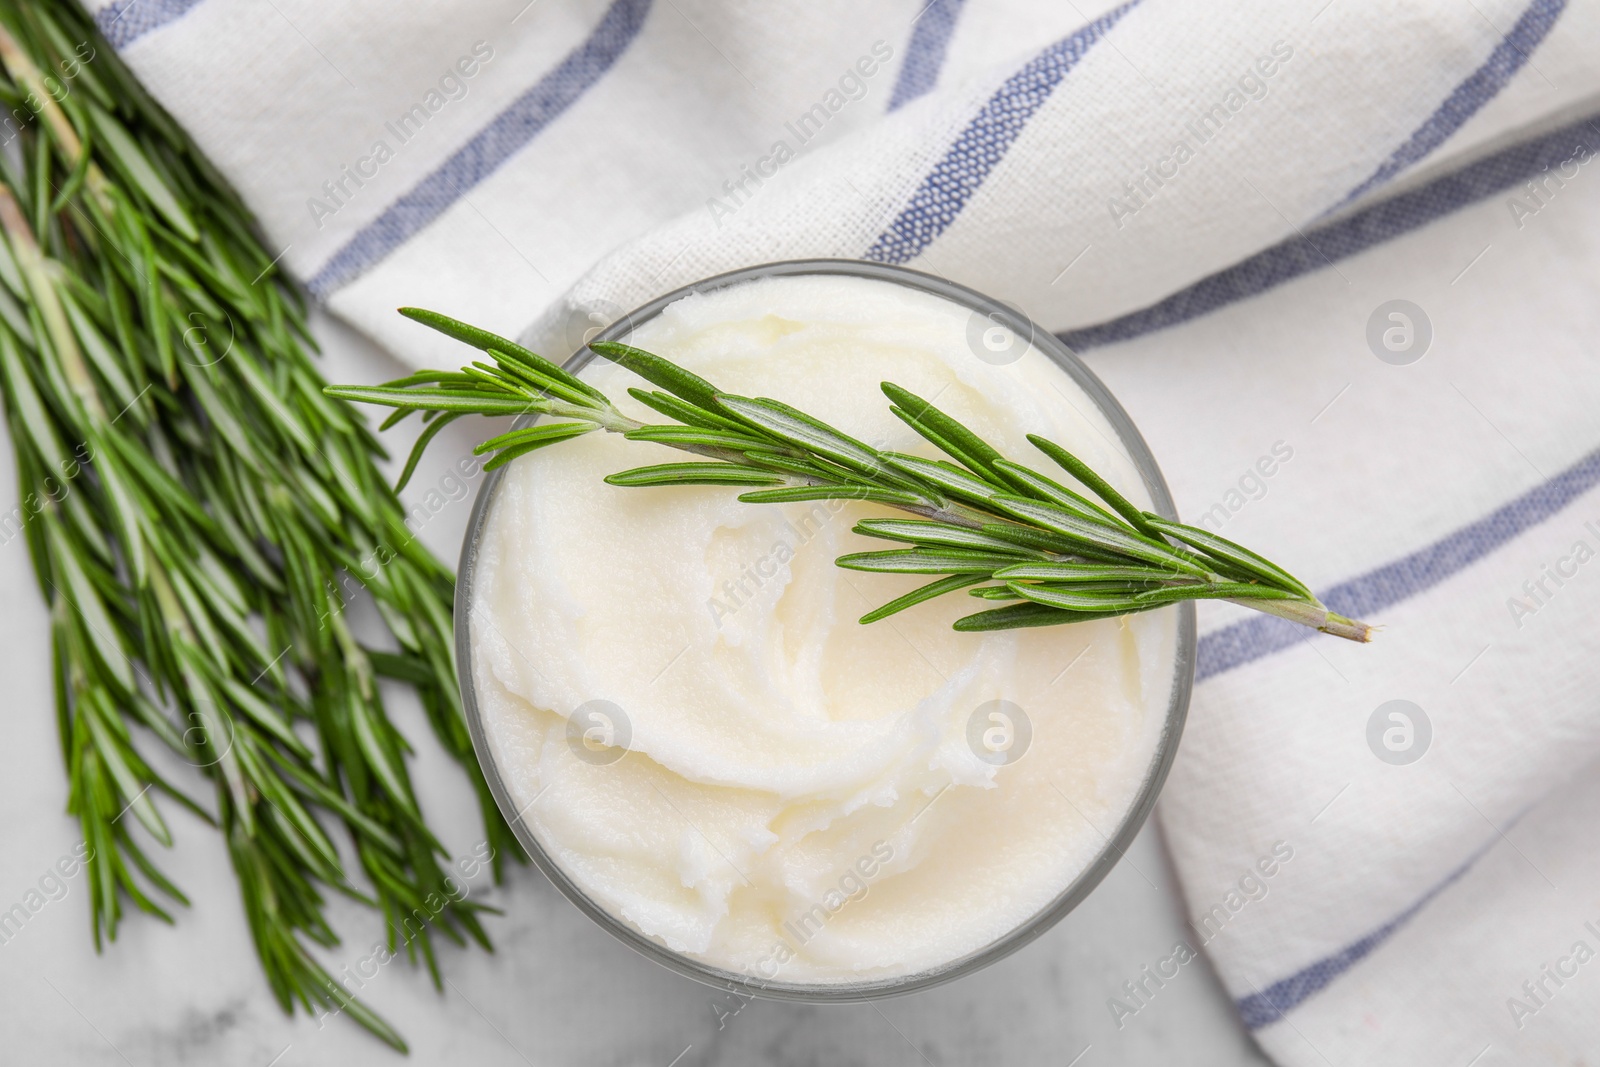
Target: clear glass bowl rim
(1115, 845)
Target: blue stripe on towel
(984, 142)
(1483, 86)
(1345, 237)
(508, 133)
(1270, 1004)
(1364, 596)
(925, 52)
(125, 21)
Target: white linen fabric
(1218, 204)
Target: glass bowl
(988, 314)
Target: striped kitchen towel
(1337, 257)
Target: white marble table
(557, 990)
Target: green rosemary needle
(1002, 531)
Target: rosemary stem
(26, 74)
(1313, 614)
(609, 419)
(30, 260)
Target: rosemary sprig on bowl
(1004, 532)
(194, 507)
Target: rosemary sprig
(194, 505)
(1002, 531)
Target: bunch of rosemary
(1004, 532)
(193, 502)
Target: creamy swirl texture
(803, 798)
